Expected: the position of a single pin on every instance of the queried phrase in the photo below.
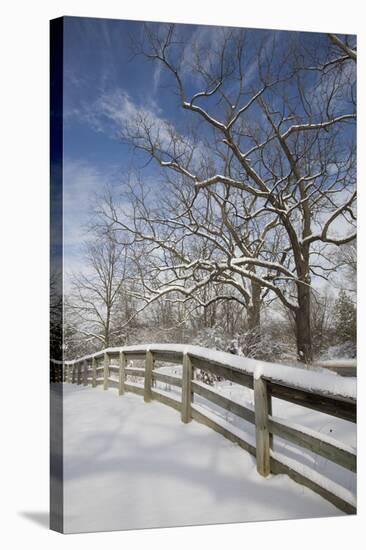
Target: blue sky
(96, 65)
(102, 81)
(104, 84)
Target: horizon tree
(96, 290)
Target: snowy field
(131, 465)
(340, 430)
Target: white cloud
(156, 76)
(113, 111)
(116, 113)
(84, 182)
(81, 181)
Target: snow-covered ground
(128, 465)
(336, 428)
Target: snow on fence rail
(321, 392)
(344, 367)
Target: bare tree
(56, 314)
(97, 289)
(188, 247)
(276, 119)
(346, 258)
(349, 50)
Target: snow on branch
(317, 125)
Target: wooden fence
(266, 383)
(346, 367)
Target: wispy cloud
(84, 185)
(206, 44)
(158, 68)
(82, 182)
(112, 111)
(116, 114)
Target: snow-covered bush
(346, 350)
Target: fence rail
(325, 393)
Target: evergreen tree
(345, 318)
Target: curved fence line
(323, 392)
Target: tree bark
(107, 328)
(302, 322)
(254, 318)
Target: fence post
(261, 427)
(269, 412)
(94, 367)
(186, 389)
(85, 373)
(149, 365)
(106, 370)
(121, 377)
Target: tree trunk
(254, 319)
(254, 309)
(107, 328)
(302, 322)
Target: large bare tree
(275, 116)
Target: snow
(129, 464)
(317, 478)
(338, 363)
(344, 351)
(248, 438)
(325, 438)
(315, 423)
(308, 380)
(336, 431)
